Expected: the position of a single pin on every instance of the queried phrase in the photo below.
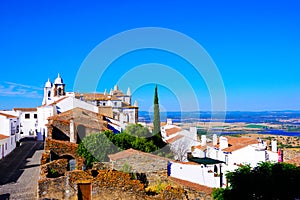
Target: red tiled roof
(172, 131)
(163, 123)
(130, 152)
(177, 137)
(81, 117)
(2, 137)
(8, 116)
(194, 186)
(26, 109)
(236, 143)
(185, 163)
(202, 148)
(97, 96)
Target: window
(27, 116)
(226, 159)
(116, 104)
(35, 116)
(5, 146)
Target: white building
(115, 106)
(180, 140)
(212, 160)
(9, 130)
(28, 121)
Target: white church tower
(53, 92)
(58, 87)
(47, 92)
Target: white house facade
(212, 160)
(9, 133)
(180, 140)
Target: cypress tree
(156, 120)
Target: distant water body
(272, 117)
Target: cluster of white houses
(206, 161)
(115, 107)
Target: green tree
(156, 120)
(96, 147)
(137, 130)
(266, 181)
(156, 135)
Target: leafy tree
(137, 130)
(266, 181)
(96, 147)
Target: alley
(19, 171)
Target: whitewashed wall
(7, 145)
(71, 102)
(195, 173)
(43, 113)
(28, 126)
(4, 126)
(130, 112)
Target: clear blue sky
(254, 44)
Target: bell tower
(47, 93)
(59, 87)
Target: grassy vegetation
(255, 126)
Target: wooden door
(84, 191)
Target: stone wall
(105, 185)
(62, 149)
(141, 163)
(55, 168)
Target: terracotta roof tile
(172, 131)
(177, 137)
(194, 186)
(185, 163)
(3, 137)
(26, 109)
(97, 96)
(202, 148)
(81, 117)
(8, 116)
(236, 143)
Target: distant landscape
(236, 122)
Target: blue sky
(255, 46)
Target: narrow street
(19, 171)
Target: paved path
(19, 172)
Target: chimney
(193, 131)
(215, 139)
(274, 145)
(136, 104)
(169, 121)
(128, 92)
(72, 131)
(116, 88)
(203, 140)
(223, 141)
